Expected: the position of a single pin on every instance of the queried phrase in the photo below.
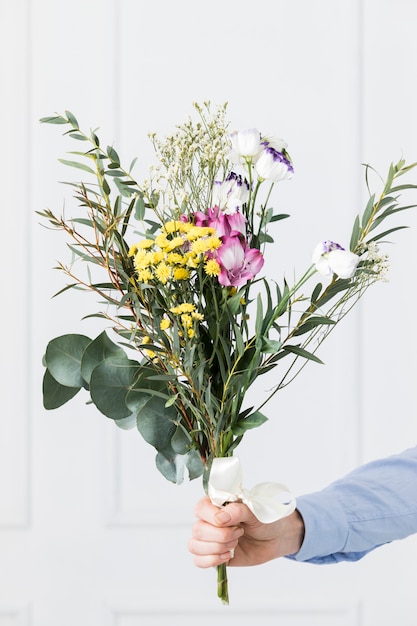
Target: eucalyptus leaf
(171, 468)
(155, 422)
(180, 440)
(97, 351)
(79, 166)
(251, 421)
(109, 384)
(194, 464)
(54, 394)
(63, 359)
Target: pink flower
(238, 262)
(224, 224)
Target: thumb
(234, 514)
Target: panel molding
(303, 613)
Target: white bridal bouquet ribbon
(269, 502)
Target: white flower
(275, 142)
(246, 144)
(273, 165)
(231, 194)
(330, 258)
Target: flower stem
(222, 583)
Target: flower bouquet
(175, 262)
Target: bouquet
(190, 322)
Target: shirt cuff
(326, 526)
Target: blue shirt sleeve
(371, 506)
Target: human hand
(233, 535)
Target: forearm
(375, 504)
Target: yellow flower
(145, 275)
(172, 226)
(177, 242)
(181, 273)
(145, 243)
(132, 250)
(165, 323)
(161, 241)
(191, 332)
(157, 257)
(142, 259)
(212, 268)
(174, 258)
(197, 316)
(163, 272)
(185, 307)
(191, 260)
(199, 246)
(213, 243)
(187, 320)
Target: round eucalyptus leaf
(109, 384)
(97, 351)
(63, 359)
(194, 464)
(180, 440)
(54, 394)
(154, 422)
(171, 468)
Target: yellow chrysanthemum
(191, 332)
(212, 268)
(145, 244)
(197, 232)
(185, 307)
(186, 320)
(165, 323)
(214, 243)
(181, 273)
(200, 246)
(143, 259)
(162, 272)
(172, 226)
(197, 316)
(145, 275)
(157, 257)
(192, 260)
(177, 242)
(174, 258)
(133, 250)
(161, 241)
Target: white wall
(337, 79)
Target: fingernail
(223, 517)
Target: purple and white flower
(230, 194)
(331, 258)
(273, 165)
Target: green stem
(222, 584)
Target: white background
(90, 533)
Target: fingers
(212, 545)
(216, 534)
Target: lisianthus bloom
(238, 262)
(331, 258)
(275, 142)
(273, 165)
(230, 194)
(246, 145)
(225, 224)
